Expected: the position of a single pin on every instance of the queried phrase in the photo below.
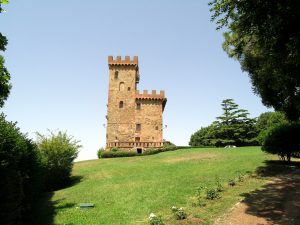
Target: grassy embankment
(127, 190)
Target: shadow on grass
(46, 209)
(278, 201)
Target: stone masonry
(134, 118)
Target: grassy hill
(127, 190)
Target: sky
(57, 57)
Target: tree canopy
(5, 85)
(233, 127)
(264, 36)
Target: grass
(127, 190)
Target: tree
(5, 85)
(58, 151)
(264, 36)
(267, 121)
(234, 127)
(283, 140)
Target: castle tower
(134, 119)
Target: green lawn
(127, 190)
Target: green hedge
(150, 151)
(21, 174)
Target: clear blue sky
(57, 56)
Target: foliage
(155, 220)
(212, 193)
(179, 213)
(232, 128)
(264, 37)
(267, 121)
(219, 185)
(21, 174)
(99, 152)
(231, 182)
(283, 140)
(117, 154)
(58, 151)
(5, 85)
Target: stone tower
(134, 119)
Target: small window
(138, 127)
(116, 138)
(137, 139)
(138, 105)
(156, 128)
(121, 104)
(121, 86)
(128, 89)
(116, 75)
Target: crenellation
(119, 61)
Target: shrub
(155, 220)
(200, 189)
(283, 140)
(111, 154)
(220, 187)
(115, 149)
(58, 152)
(179, 213)
(212, 194)
(20, 172)
(231, 182)
(99, 152)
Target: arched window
(121, 104)
(116, 75)
(121, 86)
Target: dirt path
(277, 203)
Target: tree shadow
(45, 208)
(278, 201)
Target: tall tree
(234, 127)
(5, 85)
(264, 36)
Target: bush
(99, 152)
(20, 172)
(58, 152)
(212, 194)
(155, 220)
(111, 154)
(283, 140)
(231, 182)
(179, 213)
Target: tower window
(138, 105)
(121, 104)
(138, 127)
(128, 89)
(121, 86)
(156, 128)
(116, 75)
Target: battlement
(152, 95)
(119, 61)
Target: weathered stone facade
(134, 118)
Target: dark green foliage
(99, 152)
(212, 194)
(58, 152)
(116, 154)
(149, 151)
(264, 36)
(21, 174)
(232, 128)
(267, 121)
(231, 182)
(283, 140)
(5, 85)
